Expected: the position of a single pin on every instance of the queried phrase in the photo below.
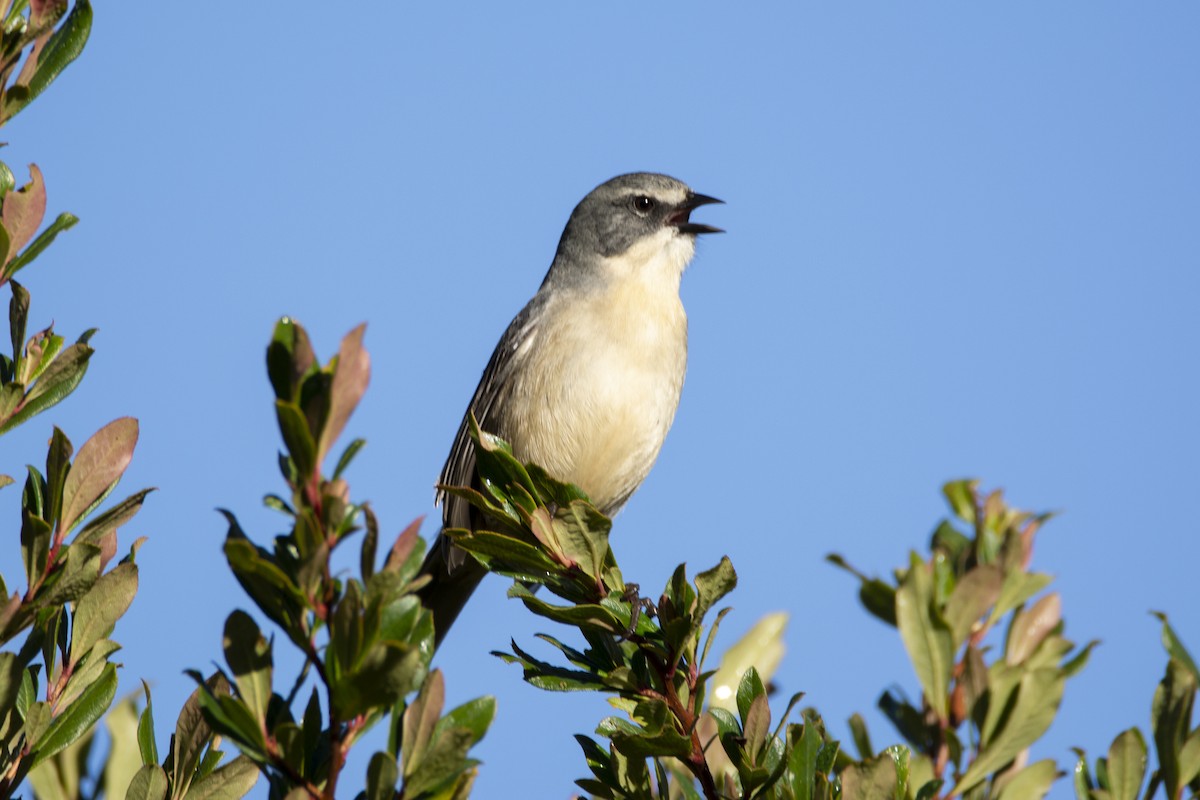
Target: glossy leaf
(147, 746)
(350, 380)
(23, 211)
(1175, 648)
(961, 497)
(192, 735)
(97, 613)
(64, 45)
(926, 636)
(97, 467)
(298, 437)
(1038, 695)
(248, 654)
(973, 595)
(78, 718)
(149, 783)
(1030, 628)
(874, 779)
(1126, 765)
(44, 239)
(227, 782)
(58, 381)
(1032, 782)
(1170, 715)
(382, 774)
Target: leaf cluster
(981, 706)
(1122, 773)
(366, 641)
(649, 657)
(58, 678)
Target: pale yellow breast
(600, 387)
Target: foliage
(367, 643)
(1121, 774)
(367, 639)
(57, 677)
(981, 707)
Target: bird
(586, 379)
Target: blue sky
(962, 241)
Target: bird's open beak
(680, 218)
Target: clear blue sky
(963, 241)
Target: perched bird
(586, 379)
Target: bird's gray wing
(459, 469)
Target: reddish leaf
(100, 463)
(349, 383)
(24, 211)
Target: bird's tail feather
(448, 588)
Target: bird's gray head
(637, 219)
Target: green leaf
(370, 543)
(1037, 697)
(7, 180)
(1189, 758)
(39, 354)
(1031, 783)
(12, 675)
(802, 762)
(419, 720)
(973, 595)
(101, 527)
(655, 737)
(1175, 648)
(248, 654)
(749, 688)
(474, 716)
(298, 438)
(504, 554)
(927, 638)
(232, 717)
(58, 464)
(44, 239)
(1126, 765)
(18, 316)
(79, 717)
(35, 546)
(858, 731)
(1170, 715)
(1078, 661)
(230, 781)
(549, 677)
(382, 774)
(1017, 588)
(960, 495)
(149, 783)
(582, 531)
(870, 780)
(64, 45)
(712, 585)
(58, 381)
(877, 597)
(1081, 779)
(77, 571)
(98, 611)
(347, 456)
(145, 730)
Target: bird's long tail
(448, 588)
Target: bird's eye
(643, 205)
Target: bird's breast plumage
(598, 383)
